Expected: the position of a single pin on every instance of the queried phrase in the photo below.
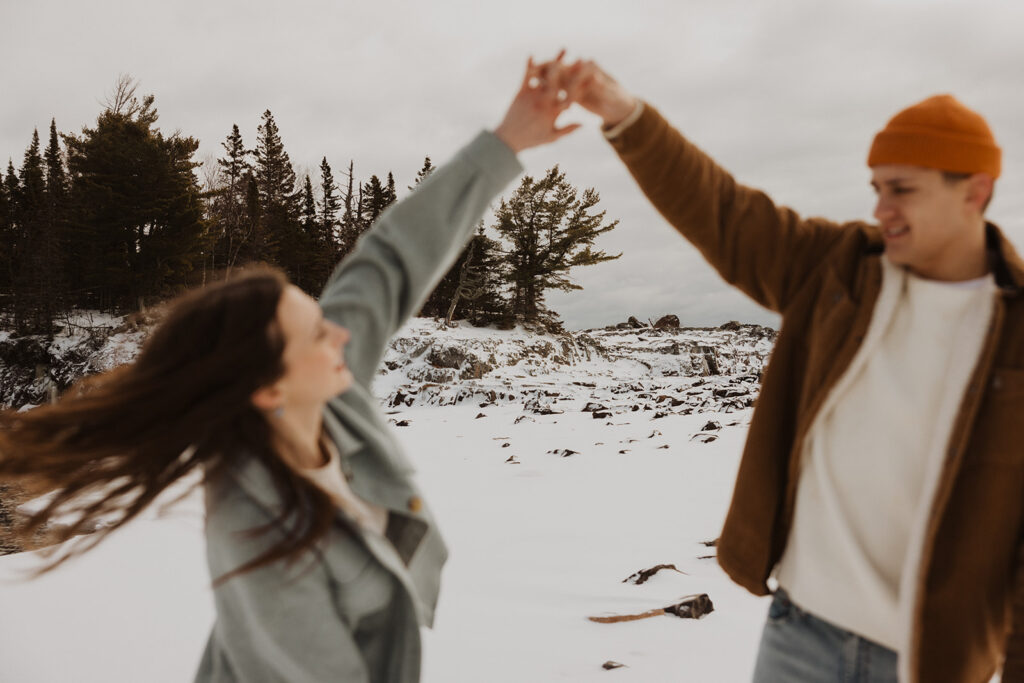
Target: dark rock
(479, 415)
(447, 357)
(609, 665)
(667, 322)
(693, 607)
(591, 407)
(563, 452)
(403, 423)
(599, 415)
(634, 323)
(711, 426)
(505, 445)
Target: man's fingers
(578, 79)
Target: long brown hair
(116, 441)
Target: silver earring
(279, 411)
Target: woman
(324, 558)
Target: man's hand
(530, 119)
(586, 83)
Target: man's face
(928, 223)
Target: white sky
(785, 94)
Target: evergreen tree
(49, 278)
(471, 289)
(10, 239)
(309, 209)
(427, 169)
(330, 204)
(373, 201)
(30, 309)
(551, 230)
(137, 219)
(7, 237)
(348, 231)
(390, 195)
(279, 202)
(233, 226)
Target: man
(882, 477)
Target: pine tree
(427, 169)
(280, 201)
(390, 195)
(372, 201)
(7, 241)
(309, 209)
(471, 289)
(551, 230)
(137, 221)
(30, 314)
(233, 227)
(49, 278)
(330, 204)
(348, 231)
(275, 176)
(8, 258)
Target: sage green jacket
(351, 611)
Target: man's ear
(979, 191)
(267, 399)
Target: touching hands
(548, 89)
(597, 92)
(530, 119)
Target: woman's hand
(530, 119)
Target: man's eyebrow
(892, 182)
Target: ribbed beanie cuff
(939, 133)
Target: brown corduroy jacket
(824, 278)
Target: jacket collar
(1005, 264)
(257, 481)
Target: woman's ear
(267, 399)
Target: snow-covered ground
(540, 540)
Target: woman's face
(314, 360)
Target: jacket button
(415, 504)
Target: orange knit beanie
(939, 133)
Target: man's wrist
(614, 130)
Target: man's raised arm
(766, 251)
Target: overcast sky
(785, 94)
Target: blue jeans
(798, 647)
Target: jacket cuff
(639, 134)
(620, 127)
(493, 157)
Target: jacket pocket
(361, 585)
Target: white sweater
(872, 458)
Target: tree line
(116, 218)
